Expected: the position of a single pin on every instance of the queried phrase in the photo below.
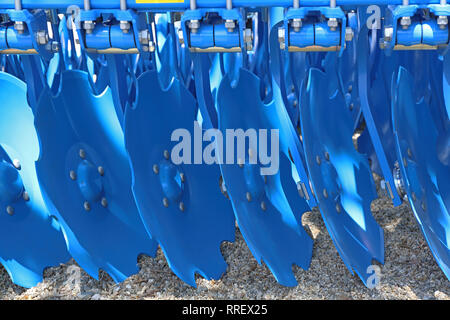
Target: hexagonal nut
(405, 22)
(333, 23)
(125, 26)
(388, 34)
(349, 34)
(42, 37)
(442, 21)
(296, 24)
(180, 36)
(144, 36)
(230, 25)
(281, 35)
(248, 35)
(194, 25)
(88, 26)
(19, 26)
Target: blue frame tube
(177, 5)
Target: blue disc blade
(424, 159)
(85, 171)
(340, 176)
(267, 207)
(181, 204)
(31, 239)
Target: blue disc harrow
(128, 125)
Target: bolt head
(26, 196)
(263, 206)
(405, 22)
(296, 24)
(104, 202)
(388, 34)
(144, 36)
(88, 26)
(349, 34)
(281, 35)
(442, 22)
(181, 36)
(73, 175)
(166, 202)
(181, 206)
(82, 154)
(101, 171)
(230, 25)
(125, 26)
(87, 206)
(333, 24)
(16, 164)
(194, 25)
(19, 26)
(248, 196)
(10, 210)
(42, 37)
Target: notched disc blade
(31, 240)
(181, 205)
(85, 172)
(424, 158)
(340, 176)
(269, 221)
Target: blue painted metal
(340, 176)
(372, 87)
(183, 5)
(423, 152)
(31, 238)
(271, 221)
(107, 236)
(197, 217)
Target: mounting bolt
(42, 37)
(180, 36)
(263, 206)
(26, 196)
(82, 154)
(155, 169)
(333, 24)
(10, 210)
(16, 164)
(282, 38)
(338, 208)
(166, 202)
(325, 193)
(166, 155)
(87, 206)
(73, 175)
(181, 206)
(349, 34)
(101, 171)
(19, 26)
(144, 36)
(125, 26)
(296, 24)
(230, 25)
(182, 177)
(89, 26)
(194, 25)
(442, 22)
(388, 34)
(248, 39)
(318, 160)
(405, 22)
(104, 202)
(248, 196)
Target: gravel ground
(410, 272)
